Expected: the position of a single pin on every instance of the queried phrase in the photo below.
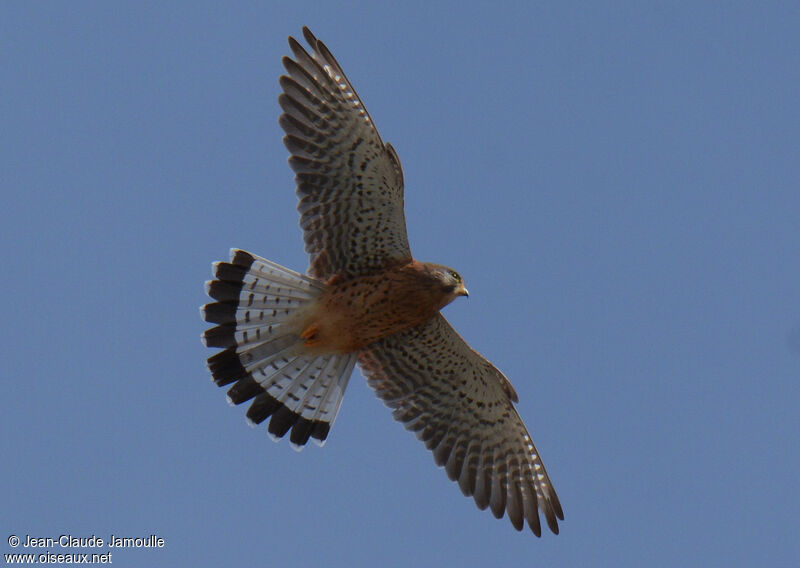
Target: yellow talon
(311, 335)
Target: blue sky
(618, 185)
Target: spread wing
(461, 406)
(350, 184)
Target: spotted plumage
(290, 341)
(334, 145)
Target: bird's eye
(455, 276)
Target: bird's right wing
(461, 406)
(350, 184)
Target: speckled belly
(354, 313)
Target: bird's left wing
(350, 184)
(461, 407)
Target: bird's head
(448, 281)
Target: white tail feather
(256, 308)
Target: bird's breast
(353, 313)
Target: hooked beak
(462, 290)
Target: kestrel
(290, 341)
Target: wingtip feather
(310, 37)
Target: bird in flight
(290, 341)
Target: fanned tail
(258, 304)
